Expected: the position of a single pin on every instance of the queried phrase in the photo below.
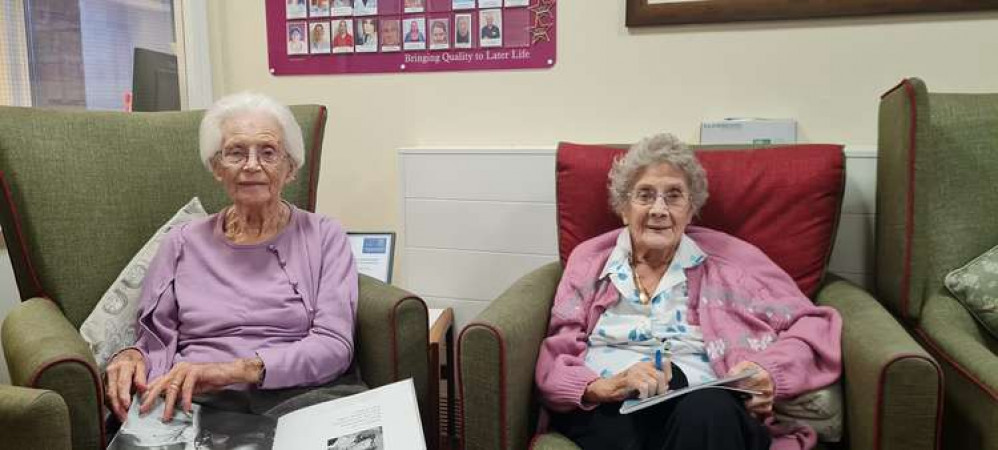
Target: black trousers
(709, 419)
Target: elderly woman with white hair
(260, 296)
(712, 304)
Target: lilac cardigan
(746, 306)
(291, 300)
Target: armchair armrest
(497, 353)
(45, 351)
(893, 387)
(393, 338)
(33, 418)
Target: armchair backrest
(84, 190)
(784, 200)
(937, 189)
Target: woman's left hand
(760, 406)
(186, 379)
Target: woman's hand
(187, 379)
(641, 379)
(127, 369)
(760, 406)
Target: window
(15, 85)
(80, 53)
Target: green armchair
(83, 191)
(936, 206)
(891, 385)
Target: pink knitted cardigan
(748, 310)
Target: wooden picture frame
(642, 13)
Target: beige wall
(610, 84)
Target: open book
(633, 405)
(385, 418)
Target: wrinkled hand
(641, 380)
(127, 369)
(760, 406)
(186, 379)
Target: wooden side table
(441, 342)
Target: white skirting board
(474, 220)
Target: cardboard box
(749, 131)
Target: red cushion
(784, 200)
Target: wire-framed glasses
(238, 156)
(674, 199)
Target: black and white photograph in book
(369, 439)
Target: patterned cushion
(821, 409)
(976, 286)
(111, 326)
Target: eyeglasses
(674, 199)
(238, 156)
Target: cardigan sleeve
(806, 351)
(326, 351)
(158, 322)
(561, 374)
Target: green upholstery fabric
(976, 286)
(126, 173)
(892, 386)
(85, 191)
(33, 419)
(496, 357)
(936, 206)
(971, 414)
(44, 351)
(393, 340)
(954, 157)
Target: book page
(385, 418)
(633, 405)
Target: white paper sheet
(386, 418)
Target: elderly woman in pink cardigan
(712, 304)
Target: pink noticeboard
(384, 36)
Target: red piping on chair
(22, 242)
(503, 438)
(909, 203)
(878, 419)
(909, 194)
(314, 158)
(394, 336)
(962, 371)
(33, 382)
(394, 322)
(395, 347)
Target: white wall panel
(464, 310)
(481, 225)
(510, 177)
(467, 274)
(853, 251)
(861, 185)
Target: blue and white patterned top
(629, 332)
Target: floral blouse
(629, 332)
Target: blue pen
(658, 359)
